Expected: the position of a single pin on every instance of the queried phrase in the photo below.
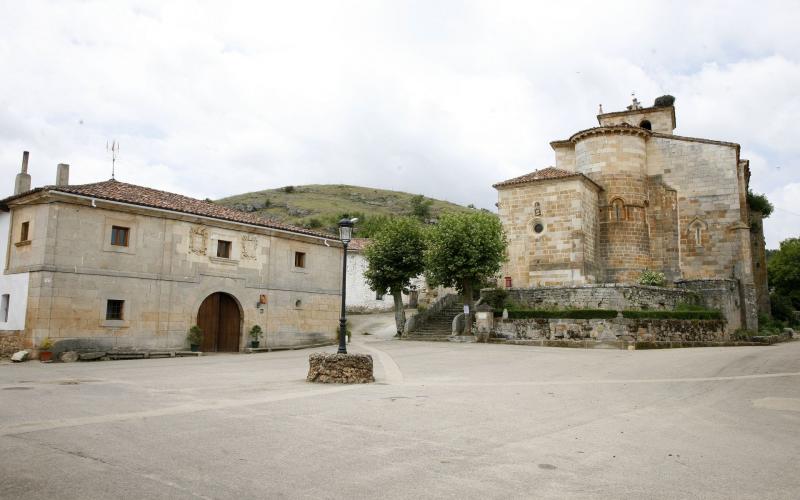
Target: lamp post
(345, 234)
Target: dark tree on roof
(664, 101)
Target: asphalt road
(442, 421)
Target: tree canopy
(421, 208)
(784, 278)
(463, 250)
(395, 255)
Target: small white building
(360, 298)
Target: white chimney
(22, 182)
(62, 174)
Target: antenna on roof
(114, 150)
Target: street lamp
(345, 234)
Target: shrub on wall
(759, 203)
(652, 278)
(564, 313)
(706, 314)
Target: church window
(646, 125)
(23, 231)
(695, 232)
(618, 209)
(538, 227)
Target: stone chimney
(22, 182)
(62, 174)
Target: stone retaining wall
(605, 296)
(626, 329)
(9, 344)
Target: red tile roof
(542, 175)
(358, 244)
(113, 190)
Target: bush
(255, 332)
(495, 297)
(288, 189)
(697, 314)
(195, 335)
(759, 203)
(563, 313)
(664, 101)
(652, 278)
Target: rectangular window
(119, 236)
(224, 249)
(115, 309)
(4, 307)
(299, 259)
(378, 296)
(23, 231)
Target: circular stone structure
(337, 368)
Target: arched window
(695, 231)
(646, 124)
(617, 209)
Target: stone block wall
(10, 343)
(759, 256)
(564, 251)
(638, 330)
(603, 296)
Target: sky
(443, 98)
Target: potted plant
(45, 353)
(195, 338)
(255, 334)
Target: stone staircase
(438, 325)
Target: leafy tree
(463, 250)
(783, 270)
(759, 203)
(395, 255)
(421, 208)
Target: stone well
(326, 368)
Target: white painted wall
(359, 296)
(15, 285)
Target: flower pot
(194, 347)
(45, 356)
(254, 343)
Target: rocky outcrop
(327, 368)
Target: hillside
(320, 206)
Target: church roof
(358, 244)
(543, 174)
(113, 190)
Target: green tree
(395, 255)
(463, 250)
(783, 269)
(421, 208)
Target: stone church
(116, 265)
(630, 195)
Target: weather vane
(114, 150)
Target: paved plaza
(443, 420)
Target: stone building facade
(119, 265)
(631, 195)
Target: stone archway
(220, 318)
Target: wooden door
(220, 321)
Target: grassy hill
(320, 206)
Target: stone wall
(563, 252)
(603, 296)
(169, 267)
(759, 256)
(10, 343)
(636, 330)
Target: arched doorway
(221, 321)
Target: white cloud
(442, 98)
